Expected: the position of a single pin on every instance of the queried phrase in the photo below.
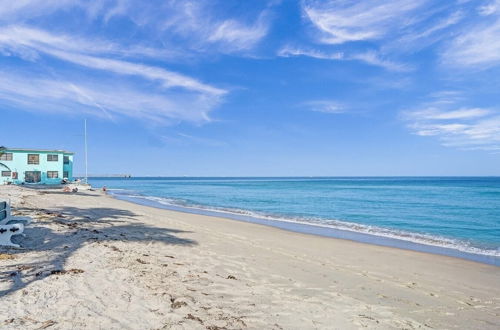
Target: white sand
(126, 266)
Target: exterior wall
(68, 167)
(19, 164)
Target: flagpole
(86, 159)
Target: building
(20, 166)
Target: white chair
(6, 217)
(7, 231)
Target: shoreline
(124, 265)
(321, 230)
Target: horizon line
(293, 176)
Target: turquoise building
(20, 166)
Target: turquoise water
(461, 214)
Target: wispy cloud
(289, 51)
(371, 58)
(388, 32)
(424, 35)
(196, 23)
(200, 30)
(478, 46)
(168, 79)
(375, 59)
(103, 98)
(28, 40)
(182, 26)
(187, 139)
(463, 113)
(170, 95)
(140, 89)
(235, 35)
(456, 126)
(345, 21)
(24, 9)
(490, 8)
(31, 41)
(121, 75)
(325, 106)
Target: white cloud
(424, 35)
(289, 51)
(110, 78)
(196, 24)
(345, 21)
(103, 98)
(388, 29)
(436, 114)
(391, 30)
(24, 9)
(168, 79)
(469, 128)
(371, 58)
(477, 47)
(238, 36)
(325, 106)
(490, 8)
(19, 38)
(186, 139)
(169, 95)
(201, 30)
(374, 59)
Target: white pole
(86, 160)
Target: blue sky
(234, 88)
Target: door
(32, 176)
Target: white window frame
(52, 173)
(50, 157)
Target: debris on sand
(5, 256)
(63, 272)
(195, 318)
(47, 324)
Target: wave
(403, 235)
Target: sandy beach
(90, 261)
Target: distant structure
(19, 166)
(119, 175)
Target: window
(52, 174)
(33, 159)
(32, 176)
(66, 159)
(65, 174)
(52, 158)
(6, 156)
(6, 173)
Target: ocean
(455, 216)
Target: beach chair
(6, 217)
(7, 231)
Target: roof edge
(40, 150)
